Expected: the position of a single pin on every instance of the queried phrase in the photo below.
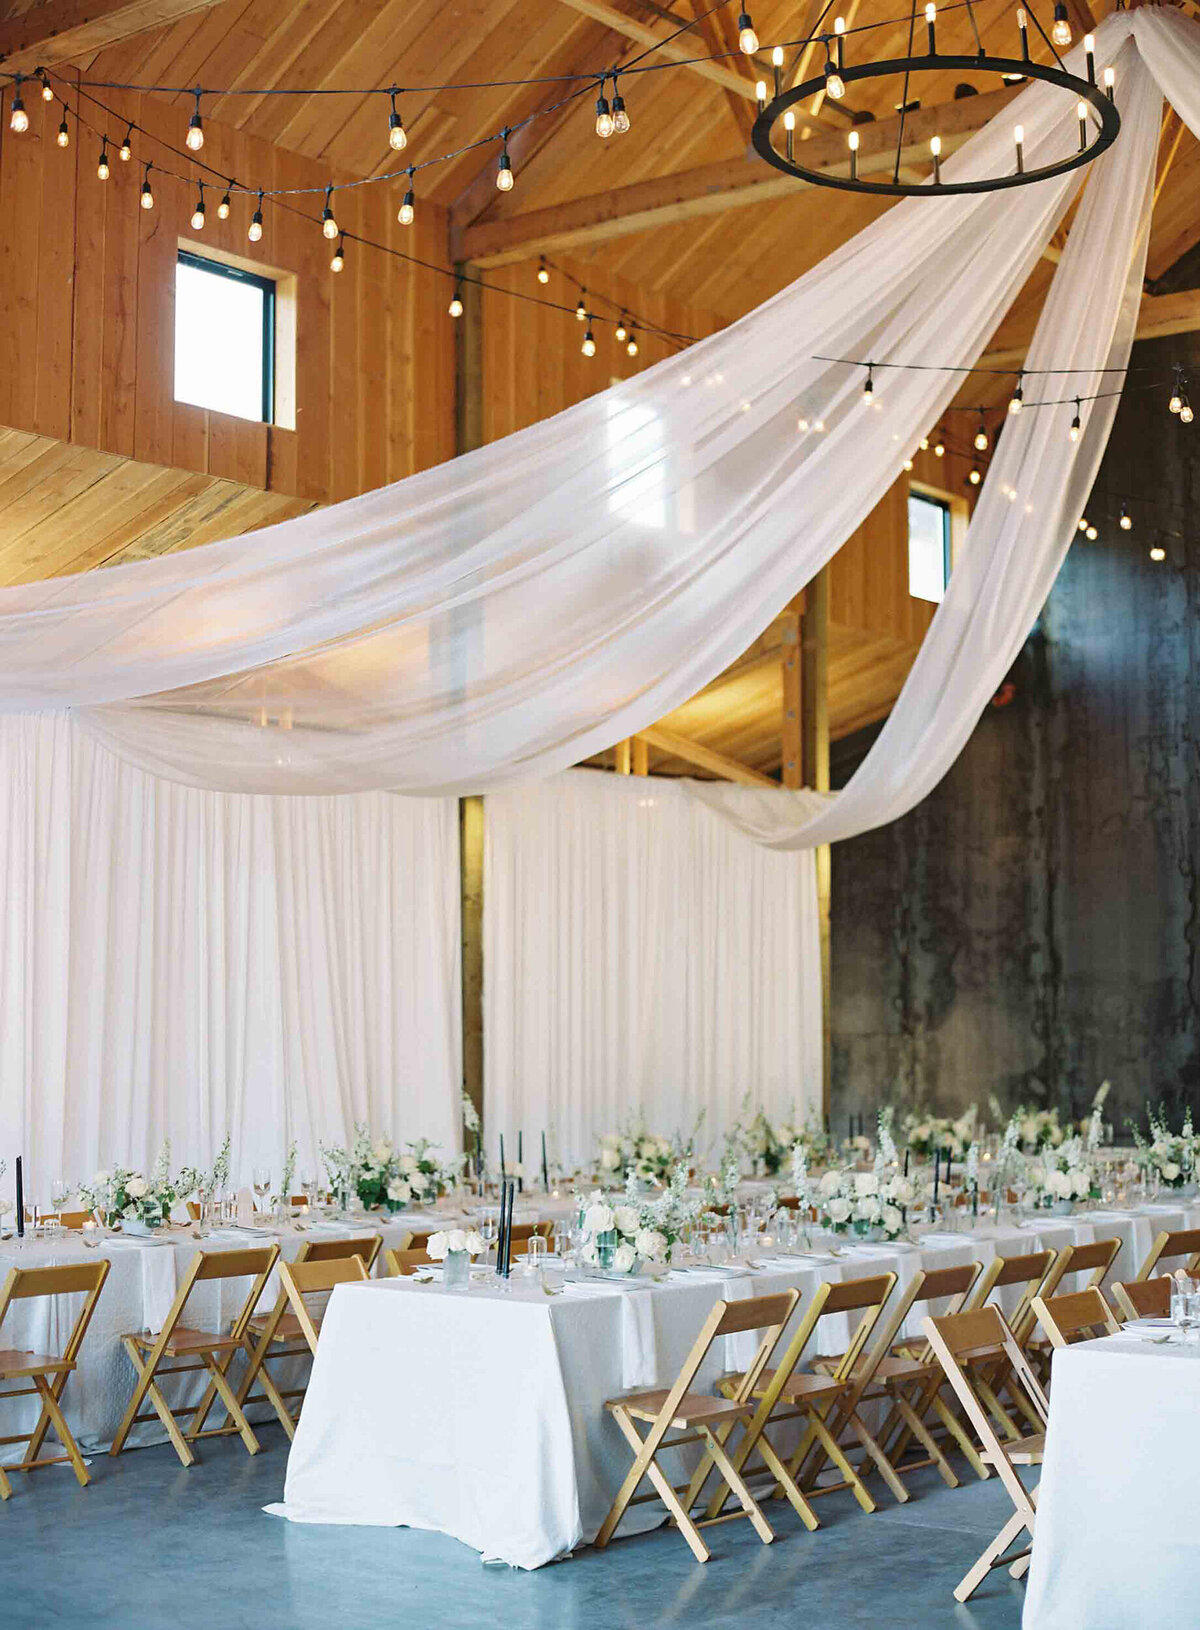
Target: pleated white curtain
(180, 964)
(639, 953)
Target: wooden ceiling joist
(713, 188)
(705, 758)
(59, 31)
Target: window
(928, 546)
(224, 338)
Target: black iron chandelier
(1099, 121)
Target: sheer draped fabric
(182, 964)
(640, 954)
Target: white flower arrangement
(885, 1143)
(622, 1235)
(1063, 1174)
(124, 1195)
(1171, 1155)
(634, 1149)
(1040, 1129)
(385, 1175)
(927, 1135)
(450, 1240)
(1092, 1125)
(866, 1203)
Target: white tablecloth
(1117, 1545)
(481, 1415)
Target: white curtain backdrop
(513, 611)
(178, 964)
(640, 952)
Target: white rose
(626, 1219)
(101, 1177)
(456, 1240)
(474, 1243)
(1170, 1171)
(437, 1245)
(647, 1148)
(399, 1192)
(865, 1183)
(598, 1218)
(624, 1258)
(867, 1209)
(381, 1150)
(839, 1210)
(408, 1163)
(829, 1184)
(136, 1187)
(893, 1219)
(610, 1158)
(1081, 1183)
(1059, 1184)
(651, 1244)
(901, 1191)
(664, 1147)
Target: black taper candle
(479, 1155)
(545, 1167)
(947, 1166)
(20, 1201)
(852, 1126)
(503, 1174)
(500, 1229)
(906, 1163)
(512, 1194)
(937, 1157)
(520, 1161)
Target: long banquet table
(1117, 1545)
(480, 1414)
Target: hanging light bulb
(255, 231)
(455, 308)
(19, 119)
(924, 444)
(47, 88)
(981, 435)
(543, 272)
(1185, 412)
(408, 207)
(747, 38)
(102, 169)
(604, 121)
(589, 344)
(1017, 400)
(620, 115)
(147, 199)
(1061, 31)
(1126, 520)
(760, 93)
(869, 386)
(64, 135)
(835, 85)
(397, 135)
(1091, 534)
(224, 207)
(125, 152)
(581, 309)
(504, 174)
(195, 129)
(1076, 427)
(1083, 525)
(621, 333)
(632, 346)
(329, 225)
(974, 477)
(939, 448)
(198, 212)
(339, 255)
(908, 464)
(1176, 401)
(1158, 552)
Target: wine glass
(489, 1226)
(262, 1185)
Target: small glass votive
(91, 1233)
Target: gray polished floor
(150, 1546)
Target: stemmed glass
(1183, 1298)
(262, 1185)
(489, 1226)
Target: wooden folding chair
(403, 1264)
(303, 1279)
(278, 1334)
(1080, 1315)
(209, 1350)
(73, 1220)
(1185, 1242)
(696, 1416)
(1144, 1298)
(1029, 1272)
(1095, 1260)
(964, 1343)
(827, 1404)
(47, 1373)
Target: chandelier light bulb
(760, 93)
(1110, 80)
(852, 141)
(1089, 48)
(747, 38)
(1061, 31)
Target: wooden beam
(705, 758)
(470, 850)
(59, 31)
(1161, 315)
(792, 751)
(713, 188)
(814, 648)
(468, 365)
(623, 757)
(641, 756)
(739, 108)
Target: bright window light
(637, 464)
(928, 546)
(224, 328)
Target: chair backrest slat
(1168, 1246)
(338, 1250)
(1144, 1298)
(756, 1313)
(1079, 1312)
(404, 1263)
(1095, 1258)
(236, 1264)
(69, 1279)
(302, 1279)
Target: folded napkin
(943, 1239)
(639, 1346)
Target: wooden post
(814, 720)
(623, 756)
(468, 417)
(641, 756)
(791, 746)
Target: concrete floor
(150, 1546)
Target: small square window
(928, 546)
(224, 338)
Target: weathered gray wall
(1033, 926)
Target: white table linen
(1116, 1544)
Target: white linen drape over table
(638, 952)
(181, 964)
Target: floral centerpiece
(1063, 1175)
(139, 1203)
(1170, 1156)
(1040, 1129)
(454, 1247)
(927, 1135)
(649, 1156)
(871, 1204)
(385, 1176)
(637, 1229)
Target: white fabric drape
(181, 964)
(638, 952)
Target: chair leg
(39, 1432)
(748, 1503)
(928, 1442)
(644, 1465)
(50, 1405)
(785, 1484)
(975, 1576)
(5, 1486)
(834, 1450)
(146, 1387)
(886, 1470)
(956, 1430)
(232, 1407)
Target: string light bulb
(1126, 520)
(198, 212)
(339, 255)
(869, 386)
(102, 169)
(397, 135)
(747, 38)
(1091, 534)
(147, 199)
(1185, 412)
(908, 464)
(622, 332)
(329, 225)
(195, 130)
(632, 346)
(1076, 426)
(1158, 552)
(604, 120)
(835, 85)
(125, 151)
(589, 342)
(1017, 400)
(255, 231)
(974, 477)
(19, 119)
(64, 135)
(939, 448)
(407, 212)
(1061, 31)
(620, 112)
(543, 272)
(1083, 524)
(47, 88)
(581, 309)
(981, 435)
(504, 173)
(224, 207)
(455, 308)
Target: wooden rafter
(705, 758)
(739, 108)
(713, 188)
(59, 31)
